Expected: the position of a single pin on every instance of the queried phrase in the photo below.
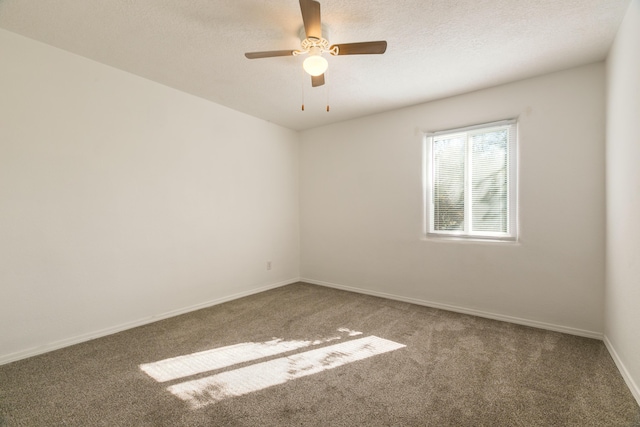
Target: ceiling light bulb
(315, 65)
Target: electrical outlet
(268, 265)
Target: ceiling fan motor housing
(314, 45)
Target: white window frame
(512, 182)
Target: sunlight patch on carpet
(223, 357)
(204, 391)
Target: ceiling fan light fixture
(314, 41)
(315, 65)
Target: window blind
(449, 178)
(489, 186)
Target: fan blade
(362, 48)
(317, 80)
(268, 54)
(311, 18)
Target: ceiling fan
(315, 45)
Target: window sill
(469, 239)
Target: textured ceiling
(436, 48)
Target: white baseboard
(635, 390)
(463, 310)
(12, 357)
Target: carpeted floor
(304, 355)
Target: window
(470, 182)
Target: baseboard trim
(635, 389)
(34, 351)
(463, 310)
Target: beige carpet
(304, 355)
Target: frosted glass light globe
(315, 65)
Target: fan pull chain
(302, 87)
(326, 93)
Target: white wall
(361, 206)
(122, 200)
(622, 320)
